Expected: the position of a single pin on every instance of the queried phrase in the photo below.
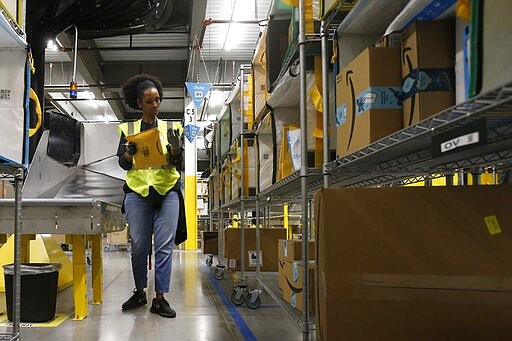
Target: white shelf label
(460, 141)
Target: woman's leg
(139, 214)
(166, 222)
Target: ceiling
(176, 40)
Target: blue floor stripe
(239, 321)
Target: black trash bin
(39, 283)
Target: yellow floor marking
(59, 318)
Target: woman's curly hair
(132, 91)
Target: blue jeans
(145, 220)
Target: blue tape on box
(435, 79)
(378, 98)
(341, 114)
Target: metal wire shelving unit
(16, 172)
(12, 40)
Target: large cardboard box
(414, 263)
(268, 247)
(293, 288)
(368, 99)
(428, 58)
(210, 242)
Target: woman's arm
(125, 160)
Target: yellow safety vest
(162, 179)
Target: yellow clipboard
(149, 149)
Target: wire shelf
(411, 152)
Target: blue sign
(190, 132)
(198, 92)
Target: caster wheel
(237, 298)
(253, 300)
(218, 274)
(106, 249)
(209, 261)
(89, 260)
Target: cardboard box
(428, 57)
(281, 270)
(291, 250)
(268, 246)
(293, 285)
(368, 99)
(414, 263)
(118, 238)
(210, 242)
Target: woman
(152, 196)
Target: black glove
(174, 138)
(131, 149)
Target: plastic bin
(39, 282)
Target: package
(259, 74)
(268, 246)
(414, 263)
(249, 155)
(293, 288)
(209, 242)
(118, 238)
(368, 99)
(225, 131)
(428, 80)
(226, 179)
(291, 250)
(267, 150)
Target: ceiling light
(235, 33)
(50, 45)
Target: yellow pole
(79, 277)
(20, 11)
(191, 211)
(97, 269)
(285, 222)
(191, 179)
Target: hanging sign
(190, 132)
(197, 91)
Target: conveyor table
(78, 218)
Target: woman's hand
(131, 150)
(174, 138)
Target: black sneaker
(135, 301)
(162, 308)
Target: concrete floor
(204, 310)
